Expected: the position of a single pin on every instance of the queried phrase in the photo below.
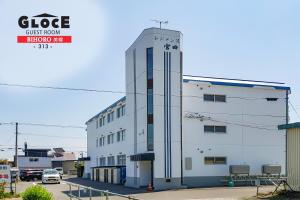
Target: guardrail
(103, 193)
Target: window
(97, 123)
(121, 111)
(214, 129)
(110, 160)
(149, 63)
(121, 160)
(214, 98)
(220, 98)
(101, 141)
(33, 159)
(209, 97)
(121, 135)
(110, 139)
(101, 121)
(97, 161)
(102, 161)
(215, 160)
(272, 99)
(97, 142)
(110, 117)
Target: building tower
(153, 101)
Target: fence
(90, 193)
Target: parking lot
(61, 191)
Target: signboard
(5, 173)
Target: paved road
(61, 191)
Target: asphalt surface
(61, 191)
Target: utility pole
(16, 146)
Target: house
(63, 159)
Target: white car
(60, 171)
(51, 176)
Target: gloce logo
(44, 29)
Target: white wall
(42, 163)
(246, 140)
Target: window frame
(213, 160)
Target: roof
(65, 157)
(106, 109)
(236, 82)
(288, 126)
(37, 149)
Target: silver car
(50, 176)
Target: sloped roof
(66, 156)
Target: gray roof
(106, 109)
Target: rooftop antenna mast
(160, 22)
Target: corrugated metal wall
(293, 157)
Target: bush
(37, 192)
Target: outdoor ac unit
(239, 169)
(271, 169)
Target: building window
(110, 117)
(110, 160)
(121, 111)
(97, 123)
(110, 138)
(102, 161)
(121, 135)
(101, 141)
(215, 160)
(150, 130)
(215, 129)
(97, 142)
(214, 97)
(33, 159)
(121, 160)
(97, 161)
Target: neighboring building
(184, 130)
(63, 159)
(293, 152)
(34, 159)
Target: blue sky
(255, 39)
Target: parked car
(50, 176)
(60, 171)
(31, 174)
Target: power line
(53, 136)
(119, 92)
(44, 125)
(294, 109)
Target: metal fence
(81, 192)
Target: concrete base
(203, 181)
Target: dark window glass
(210, 129)
(149, 57)
(150, 137)
(220, 160)
(215, 160)
(118, 112)
(149, 63)
(150, 119)
(150, 101)
(208, 97)
(272, 99)
(209, 160)
(149, 83)
(220, 98)
(220, 129)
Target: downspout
(181, 146)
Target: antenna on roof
(160, 22)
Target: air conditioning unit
(239, 169)
(271, 169)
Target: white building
(184, 130)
